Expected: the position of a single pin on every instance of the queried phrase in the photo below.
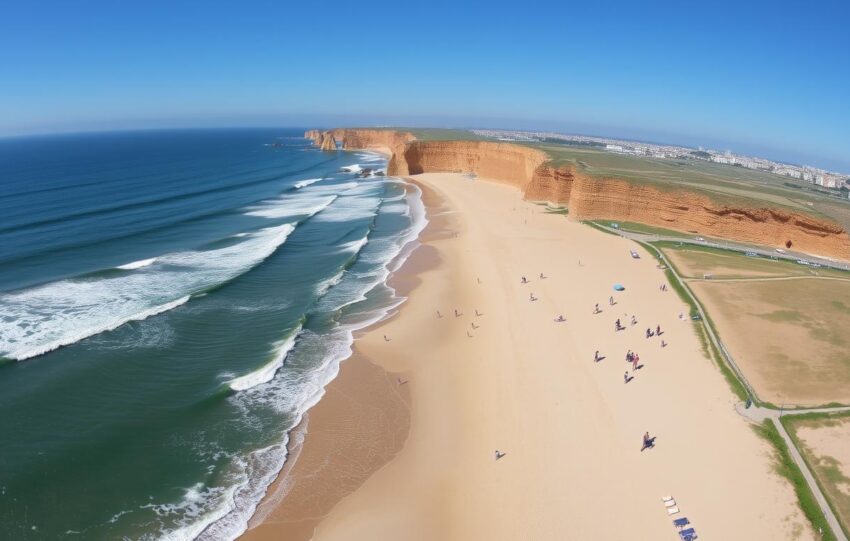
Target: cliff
(592, 198)
(328, 142)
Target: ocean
(171, 302)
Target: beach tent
(619, 287)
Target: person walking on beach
(596, 357)
(611, 301)
(635, 361)
(596, 309)
(524, 280)
(658, 330)
(648, 333)
(634, 320)
(648, 442)
(626, 377)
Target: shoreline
(304, 491)
(509, 379)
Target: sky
(764, 78)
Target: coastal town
(820, 177)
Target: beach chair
(672, 510)
(688, 535)
(670, 503)
(681, 522)
(666, 499)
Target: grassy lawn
(822, 439)
(694, 261)
(786, 467)
(787, 336)
(635, 227)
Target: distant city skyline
(766, 79)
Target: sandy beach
(503, 375)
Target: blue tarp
(619, 287)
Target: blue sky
(771, 78)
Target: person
(439, 314)
(629, 356)
(560, 318)
(647, 442)
(473, 325)
(596, 357)
(626, 377)
(611, 301)
(524, 280)
(477, 313)
(386, 339)
(635, 361)
(617, 325)
(542, 277)
(658, 330)
(648, 333)
(401, 381)
(634, 320)
(457, 313)
(499, 454)
(596, 309)
(531, 297)
(479, 280)
(663, 344)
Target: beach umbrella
(619, 287)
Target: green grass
(786, 467)
(598, 227)
(736, 260)
(830, 472)
(634, 227)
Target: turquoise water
(170, 303)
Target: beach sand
(513, 379)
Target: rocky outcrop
(593, 198)
(328, 142)
(315, 136)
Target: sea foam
(266, 372)
(37, 320)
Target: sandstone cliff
(328, 142)
(591, 198)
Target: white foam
(304, 183)
(40, 319)
(266, 372)
(351, 168)
(291, 207)
(137, 264)
(227, 512)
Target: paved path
(758, 415)
(754, 413)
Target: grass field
(788, 336)
(824, 441)
(694, 261)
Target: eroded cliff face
(328, 142)
(591, 198)
(689, 212)
(512, 164)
